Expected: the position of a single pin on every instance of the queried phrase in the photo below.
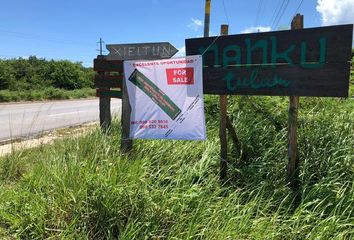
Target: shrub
(35, 73)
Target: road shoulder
(8, 147)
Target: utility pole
(101, 49)
(207, 18)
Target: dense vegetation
(84, 189)
(34, 78)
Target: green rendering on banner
(155, 93)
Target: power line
(274, 13)
(263, 9)
(217, 37)
(297, 9)
(280, 13)
(260, 3)
(225, 11)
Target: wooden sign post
(293, 178)
(298, 62)
(109, 75)
(222, 130)
(104, 105)
(126, 144)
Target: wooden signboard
(101, 64)
(108, 81)
(108, 93)
(304, 62)
(141, 51)
(110, 75)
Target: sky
(70, 29)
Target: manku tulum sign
(304, 62)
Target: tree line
(37, 73)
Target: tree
(6, 75)
(37, 73)
(67, 75)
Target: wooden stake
(105, 113)
(293, 178)
(104, 108)
(222, 129)
(233, 134)
(293, 158)
(126, 143)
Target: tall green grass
(83, 188)
(45, 94)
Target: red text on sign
(180, 75)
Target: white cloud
(335, 11)
(256, 29)
(195, 24)
(181, 52)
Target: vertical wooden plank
(293, 158)
(293, 178)
(126, 144)
(105, 113)
(222, 129)
(104, 108)
(233, 135)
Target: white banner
(166, 97)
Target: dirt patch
(9, 147)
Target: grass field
(45, 94)
(82, 188)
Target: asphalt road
(21, 120)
